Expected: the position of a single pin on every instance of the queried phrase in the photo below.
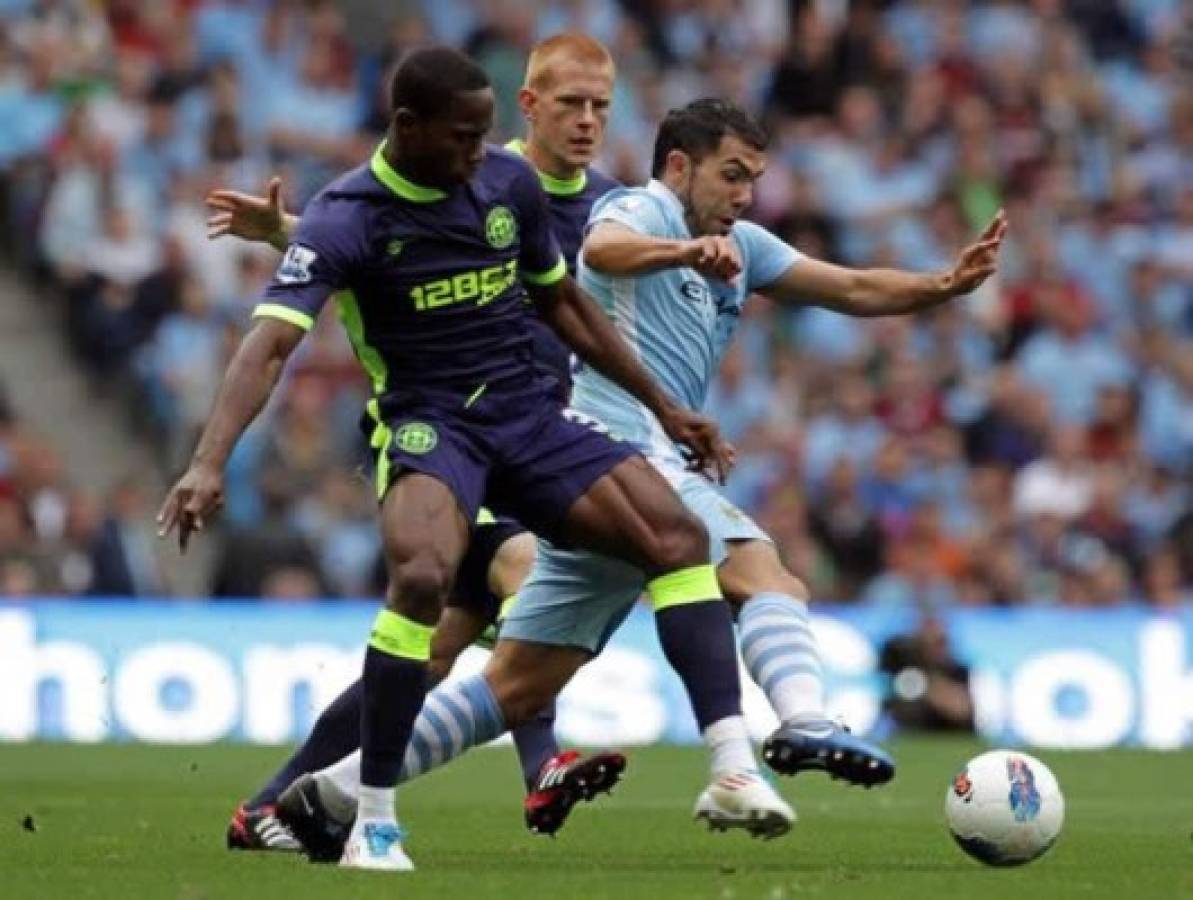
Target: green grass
(134, 822)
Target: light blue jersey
(678, 321)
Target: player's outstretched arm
(250, 379)
(253, 218)
(584, 327)
(889, 292)
(614, 249)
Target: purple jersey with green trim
(569, 213)
(568, 205)
(429, 283)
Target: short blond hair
(567, 46)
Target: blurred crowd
(58, 538)
(1032, 444)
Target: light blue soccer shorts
(576, 598)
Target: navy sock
(535, 741)
(335, 735)
(697, 639)
(394, 690)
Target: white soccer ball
(1005, 808)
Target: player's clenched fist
(198, 494)
(713, 255)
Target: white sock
(376, 804)
(782, 656)
(455, 716)
(339, 784)
(729, 743)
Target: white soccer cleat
(377, 846)
(744, 800)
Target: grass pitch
(118, 821)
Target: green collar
(562, 187)
(403, 187)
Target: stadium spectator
(850, 430)
(1163, 587)
(1060, 483)
(1068, 361)
(740, 399)
(1011, 430)
(337, 520)
(181, 365)
(123, 558)
(271, 554)
(846, 529)
(928, 688)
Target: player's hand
(247, 216)
(198, 494)
(707, 451)
(978, 261)
(713, 255)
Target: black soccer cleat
(301, 809)
(566, 779)
(260, 829)
(827, 747)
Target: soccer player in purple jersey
(431, 250)
(565, 99)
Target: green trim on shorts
(383, 436)
(487, 639)
(695, 584)
(380, 440)
(398, 636)
(506, 605)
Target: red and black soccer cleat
(566, 779)
(259, 829)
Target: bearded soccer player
(431, 250)
(565, 100)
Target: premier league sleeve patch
(296, 265)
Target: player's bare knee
(681, 544)
(738, 589)
(754, 567)
(418, 587)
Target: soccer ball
(1004, 808)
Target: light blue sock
(455, 717)
(781, 655)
